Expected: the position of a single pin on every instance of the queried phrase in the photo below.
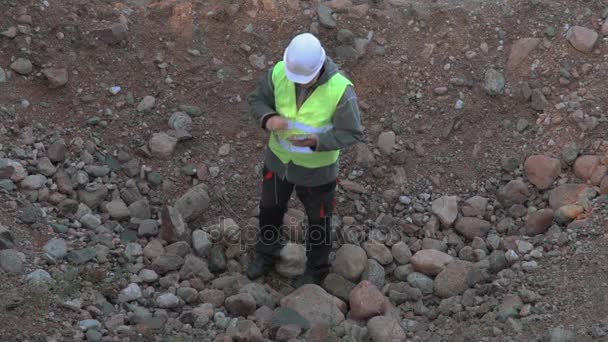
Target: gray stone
(90, 221)
(94, 336)
(55, 250)
(45, 167)
(217, 259)
(325, 17)
(421, 281)
(539, 102)
(286, 316)
(22, 66)
(350, 262)
(93, 195)
(180, 120)
(133, 250)
(146, 104)
(162, 145)
(7, 240)
(3, 77)
(39, 278)
(193, 203)
(259, 293)
(33, 182)
(201, 243)
(374, 273)
(57, 151)
(187, 294)
(292, 260)
(11, 261)
(167, 263)
(167, 301)
(401, 252)
(140, 210)
(148, 228)
(130, 293)
(559, 334)
(403, 271)
(446, 209)
(118, 210)
(32, 214)
(97, 170)
(89, 324)
(82, 256)
(494, 82)
(338, 286)
(346, 37)
(386, 142)
(498, 261)
(191, 110)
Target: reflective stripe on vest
(313, 117)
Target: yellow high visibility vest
(313, 117)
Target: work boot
(308, 277)
(260, 266)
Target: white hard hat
(303, 58)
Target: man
(311, 113)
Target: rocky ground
(129, 172)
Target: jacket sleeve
(346, 123)
(261, 101)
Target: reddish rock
(582, 38)
(585, 166)
(520, 50)
(568, 213)
(322, 332)
(474, 206)
(287, 332)
(538, 222)
(430, 262)
(212, 296)
(472, 227)
(565, 194)
(240, 305)
(605, 28)
(542, 170)
(453, 280)
(56, 77)
(378, 251)
(173, 227)
(315, 304)
(385, 329)
(246, 331)
(366, 301)
(514, 192)
(598, 174)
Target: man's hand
(276, 123)
(311, 141)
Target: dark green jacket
(346, 128)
